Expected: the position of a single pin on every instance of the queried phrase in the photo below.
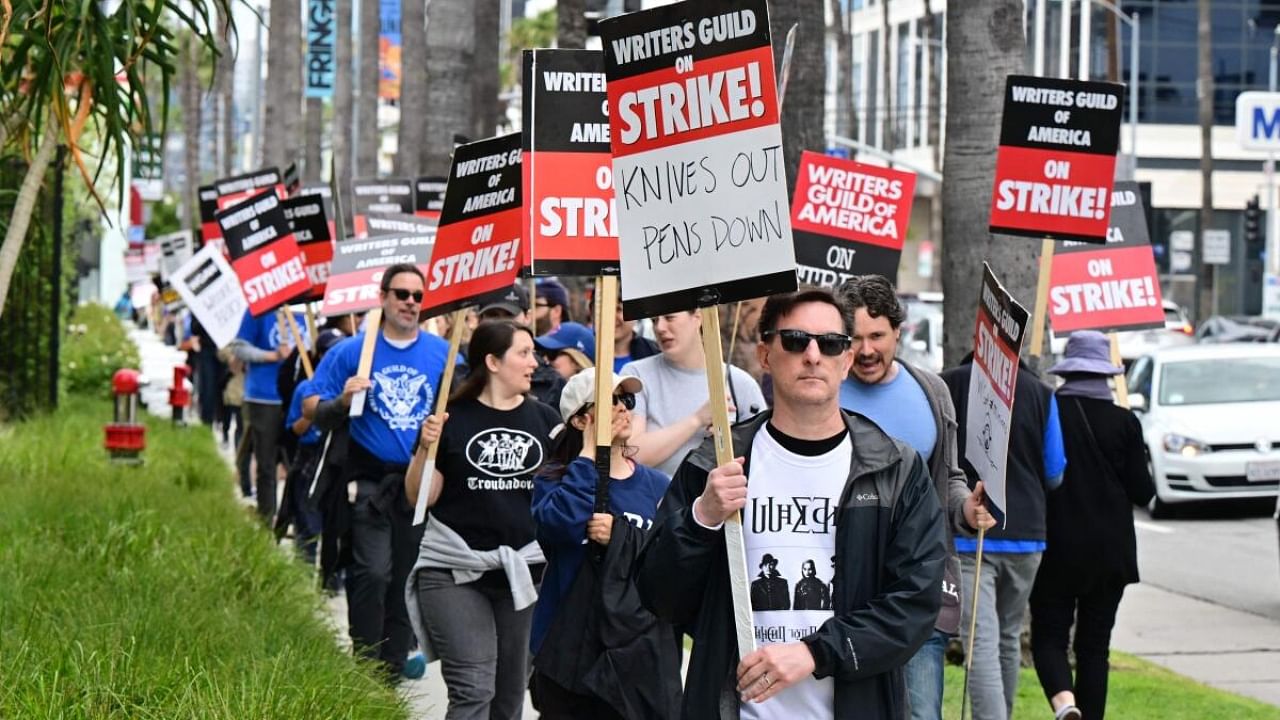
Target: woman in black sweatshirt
(1091, 551)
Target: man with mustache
(913, 405)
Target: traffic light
(1254, 237)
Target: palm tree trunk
(311, 170)
(366, 113)
(413, 88)
(571, 24)
(225, 101)
(985, 43)
(343, 95)
(844, 70)
(282, 132)
(806, 89)
(485, 88)
(191, 122)
(932, 34)
(450, 62)
(1203, 305)
(25, 205)
(887, 77)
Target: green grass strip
(144, 592)
(1136, 690)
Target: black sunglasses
(628, 401)
(402, 294)
(797, 341)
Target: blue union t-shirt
(899, 407)
(403, 393)
(265, 333)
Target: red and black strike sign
(428, 196)
(385, 195)
(1057, 158)
(381, 224)
(1114, 287)
(311, 228)
(478, 242)
(264, 253)
(849, 219)
(238, 188)
(210, 233)
(322, 191)
(292, 180)
(571, 215)
(358, 265)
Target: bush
(136, 592)
(96, 346)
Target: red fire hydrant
(180, 394)
(126, 437)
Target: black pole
(55, 298)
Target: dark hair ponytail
(491, 337)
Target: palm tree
(1204, 89)
(802, 112)
(841, 24)
(190, 97)
(571, 24)
(282, 131)
(313, 140)
(985, 43)
(484, 92)
(225, 86)
(413, 88)
(451, 39)
(58, 85)
(366, 113)
(343, 95)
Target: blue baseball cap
(569, 336)
(553, 292)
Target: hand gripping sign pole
(372, 326)
(446, 385)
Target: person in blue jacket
(564, 500)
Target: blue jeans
(923, 674)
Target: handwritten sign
(1111, 287)
(175, 249)
(697, 156)
(1057, 159)
(849, 219)
(478, 242)
(570, 213)
(997, 340)
(210, 288)
(264, 253)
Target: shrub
(96, 346)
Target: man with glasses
(809, 463)
(399, 394)
(550, 306)
(913, 405)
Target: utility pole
(1204, 289)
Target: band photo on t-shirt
(772, 591)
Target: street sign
(1258, 120)
(1217, 247)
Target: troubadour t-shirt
(488, 459)
(790, 536)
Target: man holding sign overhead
(401, 389)
(888, 548)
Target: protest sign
(997, 340)
(849, 219)
(151, 256)
(238, 188)
(135, 267)
(310, 229)
(325, 193)
(1057, 158)
(321, 59)
(211, 290)
(400, 224)
(291, 180)
(478, 242)
(385, 195)
(210, 233)
(428, 196)
(171, 299)
(175, 249)
(697, 156)
(1111, 287)
(264, 253)
(356, 273)
(570, 216)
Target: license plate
(1262, 471)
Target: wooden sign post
(304, 353)
(372, 326)
(428, 454)
(1041, 308)
(606, 317)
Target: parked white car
(1211, 418)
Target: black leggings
(1058, 598)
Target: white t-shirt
(790, 536)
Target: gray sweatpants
(1006, 581)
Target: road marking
(1152, 527)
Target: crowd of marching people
(859, 519)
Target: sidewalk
(1228, 649)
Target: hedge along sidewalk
(143, 592)
(1137, 690)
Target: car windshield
(1220, 380)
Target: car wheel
(1159, 509)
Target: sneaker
(416, 666)
(1067, 712)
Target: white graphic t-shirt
(790, 535)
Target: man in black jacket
(823, 483)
